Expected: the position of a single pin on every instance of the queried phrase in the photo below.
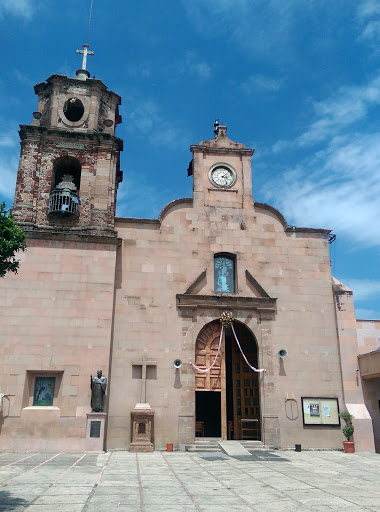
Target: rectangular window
(224, 274)
(44, 391)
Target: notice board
(320, 411)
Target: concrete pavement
(261, 481)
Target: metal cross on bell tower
(85, 52)
(82, 73)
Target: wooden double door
(227, 397)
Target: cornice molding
(191, 302)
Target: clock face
(222, 176)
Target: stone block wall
(160, 259)
(99, 161)
(368, 332)
(55, 321)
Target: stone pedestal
(95, 431)
(142, 429)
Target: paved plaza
(263, 481)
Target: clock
(222, 176)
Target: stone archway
(227, 397)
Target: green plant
(348, 432)
(347, 417)
(12, 239)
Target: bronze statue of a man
(98, 390)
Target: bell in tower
(69, 167)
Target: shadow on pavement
(9, 502)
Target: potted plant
(348, 431)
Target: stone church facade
(129, 296)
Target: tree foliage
(12, 240)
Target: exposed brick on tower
(72, 137)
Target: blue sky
(297, 80)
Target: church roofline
(166, 209)
(340, 288)
(137, 220)
(287, 228)
(189, 201)
(272, 209)
(63, 78)
(164, 212)
(201, 148)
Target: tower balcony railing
(64, 202)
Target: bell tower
(69, 168)
(221, 171)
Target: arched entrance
(227, 397)
(208, 386)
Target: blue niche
(44, 391)
(224, 274)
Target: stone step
(213, 446)
(253, 445)
(203, 446)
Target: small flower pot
(169, 447)
(349, 446)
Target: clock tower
(222, 172)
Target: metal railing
(63, 201)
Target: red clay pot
(349, 446)
(169, 447)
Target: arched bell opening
(227, 397)
(64, 195)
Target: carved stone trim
(256, 284)
(191, 302)
(69, 235)
(222, 150)
(183, 201)
(196, 281)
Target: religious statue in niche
(224, 275)
(98, 390)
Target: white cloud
(202, 69)
(8, 173)
(363, 289)
(260, 26)
(139, 70)
(259, 83)
(148, 119)
(23, 78)
(192, 65)
(137, 194)
(7, 140)
(9, 156)
(368, 14)
(363, 313)
(23, 8)
(343, 109)
(337, 187)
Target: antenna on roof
(89, 22)
(82, 73)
